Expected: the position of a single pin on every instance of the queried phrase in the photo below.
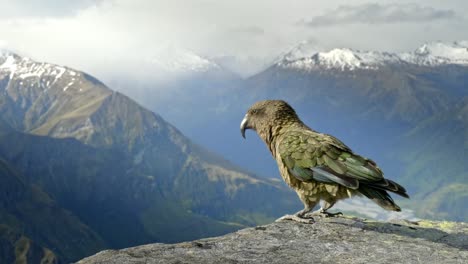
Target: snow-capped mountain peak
(340, 58)
(437, 53)
(344, 59)
(431, 54)
(174, 59)
(34, 73)
(302, 50)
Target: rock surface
(329, 240)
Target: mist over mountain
(121, 171)
(169, 81)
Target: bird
(318, 166)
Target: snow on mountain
(302, 50)
(32, 72)
(437, 53)
(165, 62)
(173, 59)
(344, 59)
(431, 54)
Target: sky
(104, 37)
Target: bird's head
(264, 115)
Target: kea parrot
(319, 167)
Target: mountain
(439, 53)
(171, 58)
(386, 84)
(400, 109)
(34, 227)
(440, 160)
(171, 80)
(406, 111)
(306, 57)
(121, 169)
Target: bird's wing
(311, 156)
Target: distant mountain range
(112, 173)
(404, 110)
(171, 58)
(306, 57)
(407, 111)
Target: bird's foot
(298, 218)
(322, 213)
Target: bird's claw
(300, 219)
(324, 214)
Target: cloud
(43, 8)
(112, 37)
(374, 13)
(3, 43)
(250, 30)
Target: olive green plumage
(318, 166)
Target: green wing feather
(311, 156)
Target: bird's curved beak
(244, 125)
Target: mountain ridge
(429, 54)
(119, 166)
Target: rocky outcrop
(329, 240)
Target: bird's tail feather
(389, 185)
(380, 197)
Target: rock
(329, 240)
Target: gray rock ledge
(329, 240)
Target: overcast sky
(97, 35)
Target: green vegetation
(444, 201)
(437, 168)
(31, 224)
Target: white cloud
(3, 44)
(109, 36)
(376, 13)
(43, 8)
(249, 30)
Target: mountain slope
(124, 171)
(439, 161)
(208, 92)
(170, 80)
(34, 227)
